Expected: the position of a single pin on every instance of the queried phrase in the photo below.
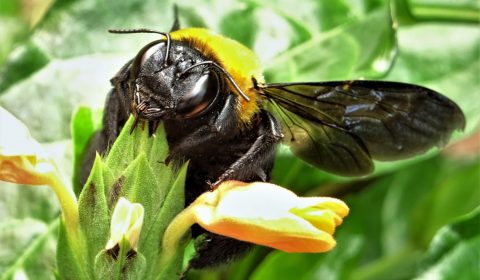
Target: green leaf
(449, 64)
(83, 127)
(14, 26)
(32, 243)
(23, 62)
(74, 28)
(240, 25)
(455, 251)
(157, 155)
(305, 63)
(28, 235)
(295, 30)
(453, 193)
(377, 50)
(137, 175)
(129, 172)
(466, 11)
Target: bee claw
(135, 123)
(213, 186)
(152, 128)
(168, 159)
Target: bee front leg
(258, 160)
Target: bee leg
(213, 250)
(260, 153)
(262, 175)
(254, 165)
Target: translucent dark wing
(341, 126)
(329, 148)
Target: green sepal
(93, 211)
(173, 204)
(131, 265)
(142, 187)
(173, 270)
(135, 169)
(159, 150)
(122, 152)
(110, 182)
(69, 267)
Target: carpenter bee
(221, 115)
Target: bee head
(170, 80)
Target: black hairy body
(216, 144)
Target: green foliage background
(55, 55)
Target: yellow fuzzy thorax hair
(239, 61)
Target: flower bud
(127, 222)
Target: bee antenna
(229, 77)
(146, 30)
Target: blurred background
(57, 55)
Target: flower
(264, 214)
(22, 159)
(127, 222)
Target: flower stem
(124, 245)
(69, 205)
(68, 202)
(174, 233)
(439, 13)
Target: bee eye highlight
(200, 97)
(149, 52)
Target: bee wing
(341, 126)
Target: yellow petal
(333, 204)
(325, 220)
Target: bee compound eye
(149, 51)
(200, 97)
